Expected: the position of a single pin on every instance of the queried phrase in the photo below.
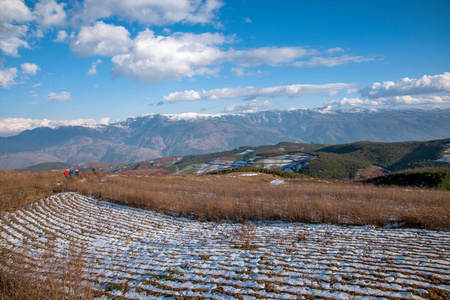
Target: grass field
(177, 237)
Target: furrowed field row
(135, 253)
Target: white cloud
(49, 13)
(353, 90)
(7, 77)
(151, 12)
(250, 92)
(394, 101)
(335, 50)
(104, 121)
(93, 70)
(421, 100)
(61, 37)
(182, 96)
(239, 72)
(323, 61)
(12, 126)
(406, 86)
(268, 55)
(154, 58)
(247, 20)
(62, 96)
(14, 14)
(29, 68)
(14, 10)
(252, 106)
(102, 39)
(16, 125)
(333, 93)
(151, 58)
(348, 102)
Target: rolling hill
(344, 161)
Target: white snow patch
(277, 182)
(249, 174)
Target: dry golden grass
(18, 189)
(47, 277)
(241, 198)
(253, 198)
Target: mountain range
(158, 135)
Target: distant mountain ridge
(156, 135)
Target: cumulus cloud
(14, 15)
(151, 12)
(7, 77)
(61, 36)
(102, 39)
(348, 102)
(252, 106)
(29, 68)
(409, 86)
(12, 126)
(421, 100)
(154, 58)
(151, 58)
(250, 92)
(49, 13)
(59, 97)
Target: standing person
(66, 173)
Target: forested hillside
(344, 161)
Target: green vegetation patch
(437, 179)
(335, 166)
(394, 156)
(344, 161)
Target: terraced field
(138, 254)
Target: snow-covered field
(159, 256)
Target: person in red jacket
(66, 173)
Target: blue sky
(100, 61)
